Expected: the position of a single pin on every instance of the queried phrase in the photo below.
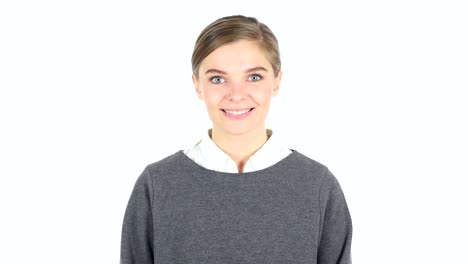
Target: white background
(93, 91)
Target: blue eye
(217, 79)
(255, 77)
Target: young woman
(238, 195)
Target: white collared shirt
(208, 155)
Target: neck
(240, 147)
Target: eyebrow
(215, 71)
(259, 68)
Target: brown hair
(233, 28)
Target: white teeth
(237, 112)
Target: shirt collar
(269, 154)
(207, 154)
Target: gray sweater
(291, 212)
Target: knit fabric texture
(292, 212)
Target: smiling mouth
(238, 112)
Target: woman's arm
(336, 226)
(137, 229)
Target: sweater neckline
(192, 164)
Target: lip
(238, 117)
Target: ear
(277, 83)
(197, 87)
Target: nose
(236, 92)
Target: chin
(238, 130)
(235, 131)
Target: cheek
(263, 96)
(212, 97)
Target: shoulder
(306, 164)
(166, 164)
(172, 170)
(312, 169)
(160, 176)
(299, 157)
(329, 184)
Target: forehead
(239, 55)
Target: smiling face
(237, 82)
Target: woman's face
(237, 82)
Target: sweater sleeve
(137, 229)
(336, 226)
